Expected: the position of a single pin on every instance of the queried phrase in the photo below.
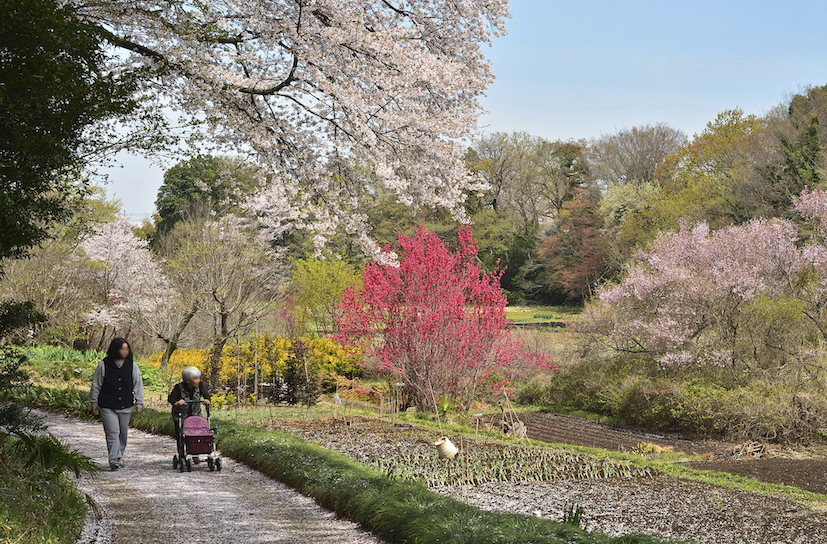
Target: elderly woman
(116, 388)
(182, 395)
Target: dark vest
(116, 390)
(188, 409)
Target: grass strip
(35, 507)
(397, 511)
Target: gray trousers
(115, 425)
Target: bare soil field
(581, 431)
(807, 474)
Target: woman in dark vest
(116, 388)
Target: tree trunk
(172, 341)
(215, 362)
(219, 341)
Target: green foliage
(623, 200)
(203, 180)
(316, 289)
(36, 505)
(510, 244)
(712, 178)
(17, 315)
(63, 354)
(69, 400)
(51, 456)
(63, 363)
(573, 514)
(702, 402)
(54, 88)
(302, 382)
(802, 164)
(14, 419)
(154, 378)
(333, 358)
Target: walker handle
(207, 406)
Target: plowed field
(581, 431)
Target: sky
(572, 69)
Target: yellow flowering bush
(181, 358)
(331, 357)
(266, 355)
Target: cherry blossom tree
(740, 296)
(136, 291)
(436, 321)
(315, 88)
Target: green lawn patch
(522, 315)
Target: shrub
(638, 392)
(266, 354)
(38, 505)
(179, 359)
(435, 320)
(153, 377)
(332, 357)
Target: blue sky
(581, 68)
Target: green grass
(67, 365)
(395, 510)
(540, 314)
(36, 507)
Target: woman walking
(116, 388)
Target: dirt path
(147, 502)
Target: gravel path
(147, 502)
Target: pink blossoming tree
(747, 296)
(135, 292)
(436, 322)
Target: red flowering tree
(436, 321)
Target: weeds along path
(147, 502)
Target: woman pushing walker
(116, 388)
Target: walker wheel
(182, 465)
(218, 464)
(189, 464)
(210, 464)
(174, 461)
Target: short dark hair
(115, 347)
